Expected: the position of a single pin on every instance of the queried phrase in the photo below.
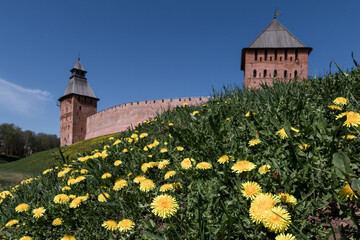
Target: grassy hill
(281, 163)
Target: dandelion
(38, 212)
(282, 134)
(164, 206)
(163, 164)
(110, 225)
(247, 114)
(171, 124)
(26, 238)
(261, 204)
(195, 112)
(277, 220)
(12, 222)
(295, 130)
(287, 198)
(125, 150)
(163, 150)
(346, 192)
(185, 104)
(186, 163)
(68, 237)
(103, 197)
(169, 174)
(243, 166)
(223, 159)
(61, 199)
(106, 175)
(284, 236)
(143, 135)
(166, 187)
(84, 171)
(349, 137)
(176, 185)
(22, 207)
(254, 142)
(147, 185)
(117, 163)
(134, 135)
(203, 165)
(179, 148)
(57, 222)
(139, 179)
(71, 181)
(125, 225)
(334, 107)
(352, 119)
(76, 202)
(79, 179)
(120, 184)
(340, 101)
(250, 189)
(47, 171)
(3, 194)
(144, 167)
(304, 147)
(264, 169)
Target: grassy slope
(13, 172)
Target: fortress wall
(124, 116)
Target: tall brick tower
(77, 103)
(275, 53)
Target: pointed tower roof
(78, 84)
(276, 36)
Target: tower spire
(277, 13)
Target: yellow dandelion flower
(111, 138)
(3, 194)
(260, 205)
(264, 169)
(195, 112)
(57, 222)
(247, 114)
(223, 159)
(283, 236)
(144, 167)
(143, 135)
(185, 104)
(179, 148)
(72, 196)
(340, 101)
(334, 107)
(110, 225)
(153, 164)
(129, 174)
(71, 181)
(26, 238)
(203, 165)
(186, 163)
(103, 197)
(295, 130)
(12, 222)
(346, 192)
(68, 237)
(163, 150)
(349, 137)
(169, 174)
(176, 185)
(243, 166)
(304, 147)
(250, 189)
(79, 179)
(117, 142)
(164, 206)
(162, 164)
(22, 207)
(61, 199)
(277, 220)
(106, 175)
(47, 171)
(125, 150)
(125, 225)
(120, 184)
(139, 179)
(134, 135)
(117, 163)
(84, 171)
(147, 185)
(166, 187)
(352, 119)
(76, 202)
(282, 134)
(171, 124)
(287, 198)
(254, 142)
(38, 212)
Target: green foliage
(301, 139)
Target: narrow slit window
(286, 53)
(275, 73)
(296, 54)
(265, 73)
(256, 55)
(275, 55)
(254, 73)
(285, 74)
(295, 73)
(265, 55)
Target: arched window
(275, 73)
(285, 57)
(255, 55)
(265, 72)
(285, 74)
(254, 73)
(275, 56)
(295, 73)
(290, 59)
(265, 55)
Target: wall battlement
(127, 115)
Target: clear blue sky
(138, 50)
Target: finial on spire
(277, 13)
(79, 57)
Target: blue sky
(138, 50)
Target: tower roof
(276, 36)
(78, 84)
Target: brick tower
(275, 53)
(77, 103)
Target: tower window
(265, 72)
(286, 53)
(254, 73)
(285, 74)
(295, 73)
(296, 54)
(256, 55)
(260, 59)
(270, 58)
(280, 59)
(275, 55)
(275, 73)
(80, 108)
(290, 59)
(265, 55)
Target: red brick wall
(270, 64)
(124, 116)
